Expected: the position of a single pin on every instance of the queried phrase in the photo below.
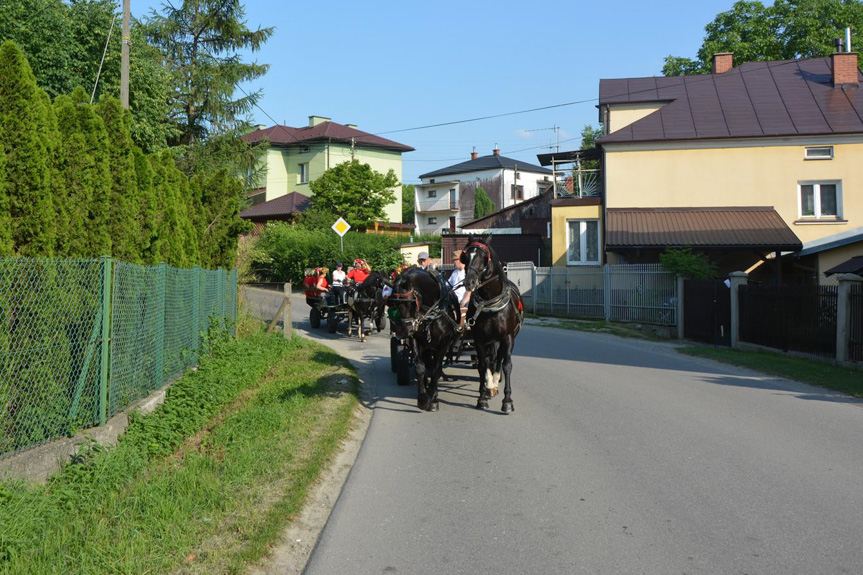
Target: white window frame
(303, 175)
(807, 156)
(583, 261)
(816, 185)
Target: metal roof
(492, 162)
(755, 99)
(851, 266)
(323, 132)
(756, 227)
(292, 203)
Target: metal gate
(707, 311)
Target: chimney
(352, 126)
(844, 68)
(722, 62)
(315, 120)
(496, 151)
(474, 155)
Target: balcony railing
(437, 205)
(577, 183)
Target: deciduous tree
(355, 192)
(483, 205)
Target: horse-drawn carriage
(353, 305)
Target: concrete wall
(622, 115)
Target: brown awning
(851, 266)
(289, 204)
(753, 228)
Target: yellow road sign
(341, 227)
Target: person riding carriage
(360, 272)
(321, 284)
(339, 280)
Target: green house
(296, 156)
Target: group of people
(315, 282)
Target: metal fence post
(196, 313)
(736, 279)
(533, 286)
(160, 324)
(843, 315)
(679, 280)
(106, 339)
(606, 288)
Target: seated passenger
(339, 277)
(321, 284)
(361, 271)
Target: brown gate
(707, 311)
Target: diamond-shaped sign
(341, 227)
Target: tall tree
(201, 41)
(483, 205)
(221, 202)
(5, 215)
(126, 236)
(408, 200)
(785, 30)
(25, 129)
(147, 213)
(355, 192)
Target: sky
(393, 66)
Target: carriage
(403, 360)
(326, 308)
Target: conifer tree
(25, 123)
(125, 200)
(5, 217)
(220, 225)
(483, 205)
(146, 215)
(84, 172)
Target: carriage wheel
(332, 322)
(315, 317)
(395, 349)
(405, 370)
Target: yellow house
(741, 164)
(297, 156)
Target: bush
(688, 264)
(284, 251)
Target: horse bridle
(488, 269)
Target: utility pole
(124, 66)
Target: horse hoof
(494, 391)
(507, 407)
(482, 404)
(423, 403)
(434, 406)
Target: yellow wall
(622, 115)
(559, 216)
(834, 257)
(754, 175)
(410, 253)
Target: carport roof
(756, 228)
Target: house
(743, 164)
(282, 209)
(296, 156)
(445, 198)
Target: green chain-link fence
(81, 340)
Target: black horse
(424, 313)
(495, 314)
(366, 300)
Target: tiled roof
(492, 162)
(325, 131)
(756, 99)
(293, 203)
(730, 228)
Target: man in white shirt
(339, 281)
(456, 281)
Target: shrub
(686, 263)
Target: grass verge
(597, 326)
(205, 483)
(822, 374)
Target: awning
(851, 266)
(572, 156)
(734, 228)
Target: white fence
(643, 293)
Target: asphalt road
(621, 457)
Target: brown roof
(756, 99)
(289, 204)
(851, 266)
(706, 228)
(325, 131)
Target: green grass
(205, 483)
(597, 326)
(822, 374)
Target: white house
(445, 198)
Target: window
(431, 181)
(583, 240)
(432, 193)
(432, 221)
(819, 153)
(304, 174)
(305, 149)
(518, 175)
(820, 200)
(517, 192)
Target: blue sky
(394, 65)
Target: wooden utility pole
(124, 65)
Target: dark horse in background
(366, 300)
(495, 314)
(424, 312)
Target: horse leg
(433, 404)
(484, 375)
(350, 320)
(493, 384)
(506, 356)
(422, 393)
(362, 331)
